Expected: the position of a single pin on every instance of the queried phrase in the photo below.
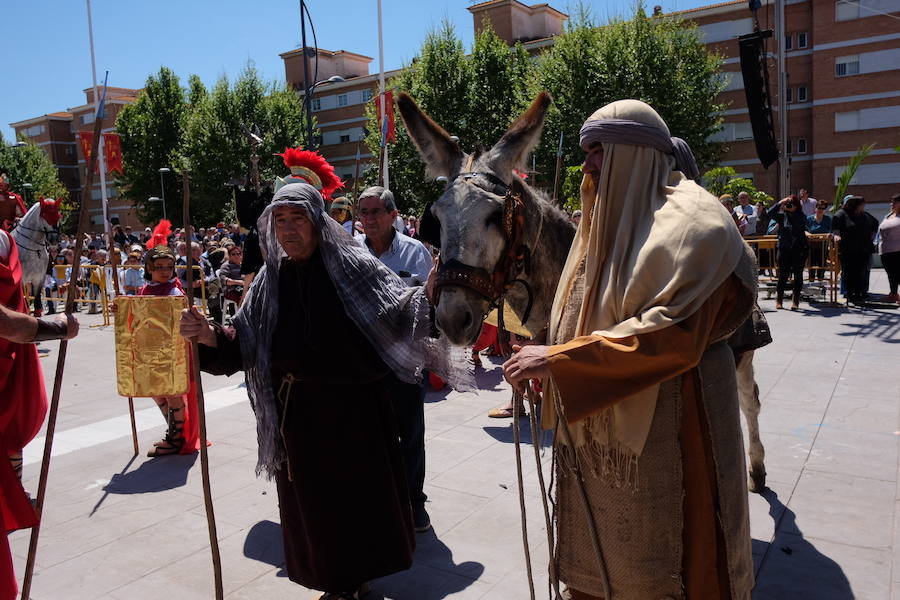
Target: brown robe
(664, 538)
(342, 494)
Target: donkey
(467, 223)
(32, 234)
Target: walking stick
(114, 261)
(201, 407)
(83, 219)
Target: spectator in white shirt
(806, 203)
(746, 215)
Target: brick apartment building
(843, 91)
(56, 135)
(843, 66)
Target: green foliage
(659, 61)
(724, 180)
(570, 189)
(474, 97)
(30, 164)
(848, 173)
(716, 178)
(152, 132)
(200, 130)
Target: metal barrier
(96, 275)
(822, 266)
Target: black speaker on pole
(759, 100)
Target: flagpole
(101, 150)
(383, 167)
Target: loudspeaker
(759, 100)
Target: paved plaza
(118, 527)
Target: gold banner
(151, 356)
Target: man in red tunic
(23, 400)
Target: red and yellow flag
(113, 151)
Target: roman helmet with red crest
(310, 167)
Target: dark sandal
(173, 441)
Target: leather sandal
(173, 441)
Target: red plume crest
(315, 162)
(160, 235)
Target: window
(34, 130)
(802, 40)
(88, 118)
(345, 138)
(317, 104)
(801, 146)
(789, 94)
(743, 131)
(342, 100)
(801, 93)
(789, 41)
(846, 65)
(846, 10)
(70, 150)
(366, 95)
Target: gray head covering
(393, 317)
(626, 131)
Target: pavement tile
(808, 568)
(842, 509)
(855, 453)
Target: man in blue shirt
(408, 258)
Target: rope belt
(284, 394)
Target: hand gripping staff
(83, 219)
(201, 406)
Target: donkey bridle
(515, 259)
(45, 244)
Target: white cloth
(5, 247)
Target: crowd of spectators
(800, 220)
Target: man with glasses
(408, 258)
(230, 275)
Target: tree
(659, 61)
(217, 152)
(724, 180)
(152, 130)
(30, 164)
(474, 97)
(570, 189)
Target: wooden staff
(83, 220)
(114, 261)
(201, 407)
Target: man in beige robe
(651, 494)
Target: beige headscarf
(656, 245)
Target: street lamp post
(162, 188)
(309, 99)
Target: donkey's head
(466, 221)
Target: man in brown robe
(651, 495)
(322, 334)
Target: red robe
(191, 423)
(23, 406)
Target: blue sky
(47, 60)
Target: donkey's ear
(521, 137)
(439, 152)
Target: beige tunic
(661, 539)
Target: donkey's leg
(748, 395)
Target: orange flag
(113, 147)
(87, 141)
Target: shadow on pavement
(884, 326)
(264, 543)
(790, 566)
(433, 576)
(153, 475)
